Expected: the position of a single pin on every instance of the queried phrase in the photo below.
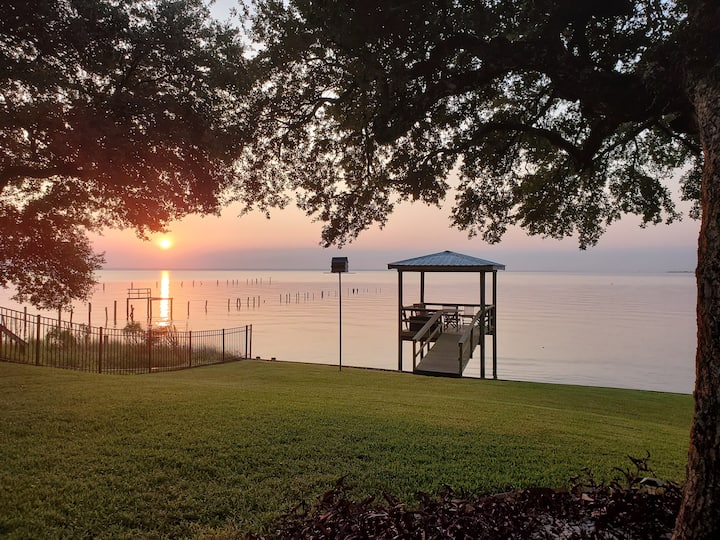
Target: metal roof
(446, 261)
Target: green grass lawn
(224, 450)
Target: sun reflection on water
(165, 317)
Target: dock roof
(446, 261)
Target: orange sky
(290, 240)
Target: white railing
(425, 336)
(482, 324)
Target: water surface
(628, 331)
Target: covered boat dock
(444, 334)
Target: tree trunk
(699, 516)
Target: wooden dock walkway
(443, 358)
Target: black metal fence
(43, 341)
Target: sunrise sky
(290, 240)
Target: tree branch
(17, 172)
(607, 96)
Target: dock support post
(482, 325)
(400, 309)
(494, 323)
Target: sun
(165, 243)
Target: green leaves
(548, 111)
(114, 114)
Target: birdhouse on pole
(339, 265)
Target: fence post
(37, 342)
(223, 344)
(190, 348)
(246, 341)
(100, 351)
(149, 340)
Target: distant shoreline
(327, 270)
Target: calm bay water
(627, 331)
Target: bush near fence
(34, 339)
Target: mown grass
(224, 450)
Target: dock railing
(43, 341)
(424, 337)
(139, 292)
(482, 324)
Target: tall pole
(340, 316)
(339, 265)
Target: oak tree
(119, 114)
(556, 115)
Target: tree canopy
(112, 114)
(558, 116)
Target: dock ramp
(446, 352)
